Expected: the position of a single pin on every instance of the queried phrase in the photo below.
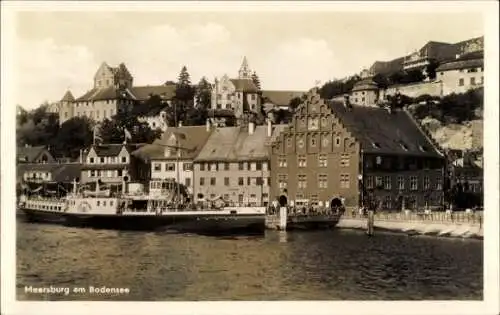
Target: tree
(196, 116)
(183, 99)
(294, 103)
(256, 80)
(113, 131)
(203, 94)
(74, 134)
(37, 127)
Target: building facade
(37, 154)
(341, 152)
(461, 74)
(110, 163)
(234, 165)
(170, 159)
(239, 95)
(365, 92)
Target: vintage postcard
(249, 157)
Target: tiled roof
(109, 93)
(281, 97)
(142, 93)
(235, 144)
(30, 153)
(60, 172)
(112, 149)
(365, 84)
(68, 97)
(461, 64)
(190, 138)
(244, 85)
(379, 131)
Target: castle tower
(66, 107)
(245, 72)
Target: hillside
(465, 136)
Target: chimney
(269, 128)
(251, 128)
(208, 124)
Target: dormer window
(404, 146)
(376, 145)
(422, 148)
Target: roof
(142, 93)
(31, 153)
(112, 149)
(281, 97)
(385, 67)
(244, 85)
(190, 138)
(365, 84)
(109, 93)
(461, 64)
(68, 97)
(60, 172)
(379, 131)
(236, 144)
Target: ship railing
(42, 198)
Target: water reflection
(326, 265)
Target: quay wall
(437, 224)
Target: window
(282, 181)
(282, 162)
(187, 166)
(102, 159)
(65, 114)
(226, 181)
(124, 159)
(249, 181)
(344, 181)
(240, 181)
(212, 181)
(439, 183)
(259, 181)
(169, 167)
(213, 167)
(322, 181)
(401, 183)
(202, 181)
(219, 106)
(413, 182)
(427, 182)
(202, 166)
(388, 202)
(188, 182)
(253, 97)
(369, 182)
(363, 99)
(302, 181)
(302, 161)
(322, 160)
(258, 166)
(313, 141)
(252, 166)
(344, 160)
(226, 166)
(120, 173)
(157, 166)
(461, 82)
(241, 166)
(337, 141)
(387, 182)
(91, 160)
(240, 199)
(472, 81)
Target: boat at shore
(99, 209)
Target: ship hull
(205, 224)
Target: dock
(285, 221)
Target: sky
(60, 50)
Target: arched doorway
(283, 201)
(336, 205)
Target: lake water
(321, 265)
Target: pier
(290, 219)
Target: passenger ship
(139, 211)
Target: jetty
(465, 224)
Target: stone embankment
(457, 224)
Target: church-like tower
(245, 72)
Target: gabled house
(37, 154)
(234, 165)
(170, 158)
(110, 163)
(338, 152)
